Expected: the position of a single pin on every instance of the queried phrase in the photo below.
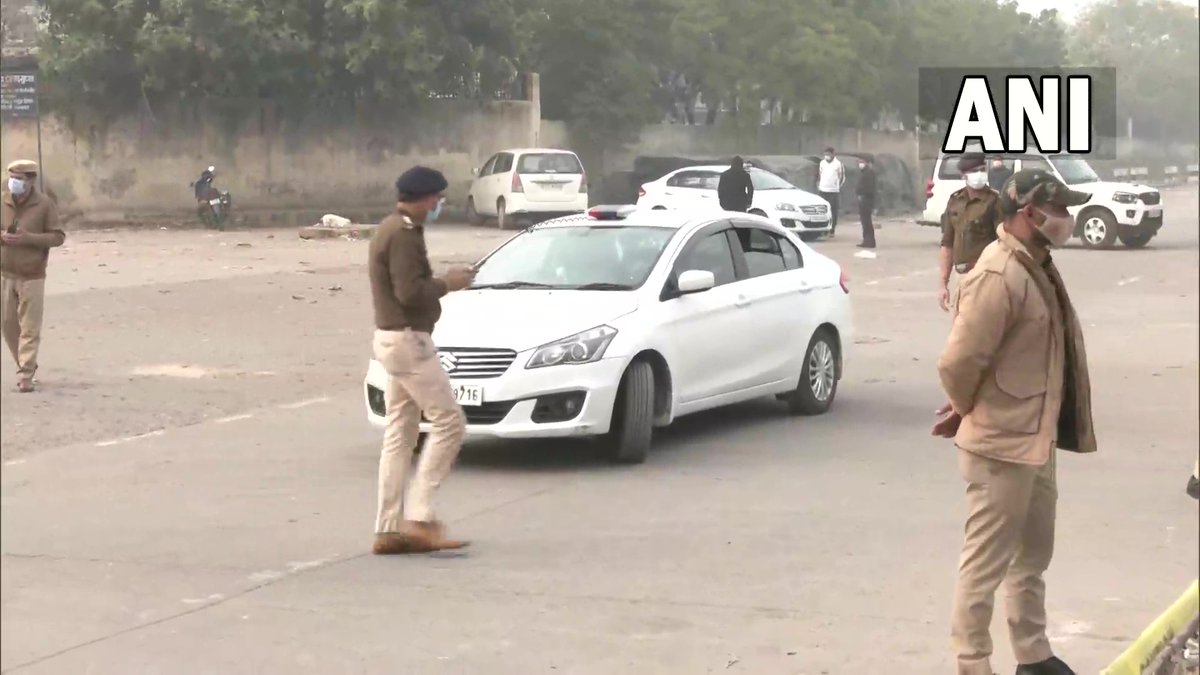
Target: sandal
(25, 386)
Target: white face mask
(1056, 229)
(16, 186)
(976, 180)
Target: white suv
(529, 184)
(1129, 212)
(612, 324)
(695, 187)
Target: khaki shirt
(969, 224)
(406, 295)
(1004, 362)
(37, 219)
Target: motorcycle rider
(204, 186)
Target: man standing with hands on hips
(1016, 376)
(30, 228)
(968, 225)
(407, 304)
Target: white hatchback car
(613, 323)
(774, 198)
(523, 185)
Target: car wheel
(473, 216)
(502, 214)
(659, 208)
(1137, 240)
(422, 439)
(628, 441)
(817, 388)
(1098, 229)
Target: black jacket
(866, 184)
(734, 190)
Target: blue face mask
(437, 211)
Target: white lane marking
(129, 439)
(304, 404)
(1129, 280)
(14, 462)
(199, 601)
(233, 418)
(265, 575)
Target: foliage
(607, 66)
(1153, 45)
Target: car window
(605, 257)
(711, 254)
(504, 163)
(791, 254)
(697, 180)
(549, 162)
(765, 180)
(1030, 162)
(488, 166)
(948, 169)
(762, 250)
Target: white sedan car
(774, 198)
(615, 322)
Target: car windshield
(549, 162)
(765, 180)
(600, 258)
(1074, 170)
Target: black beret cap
(419, 182)
(971, 161)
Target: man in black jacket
(735, 191)
(866, 201)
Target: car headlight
(584, 347)
(1124, 197)
(784, 207)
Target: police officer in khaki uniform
(30, 229)
(407, 304)
(1015, 372)
(968, 225)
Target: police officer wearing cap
(30, 228)
(1016, 375)
(407, 304)
(968, 225)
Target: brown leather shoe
(427, 537)
(393, 543)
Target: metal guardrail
(1159, 635)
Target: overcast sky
(1069, 8)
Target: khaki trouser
(416, 383)
(1009, 538)
(21, 305)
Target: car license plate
(553, 186)
(1154, 211)
(467, 394)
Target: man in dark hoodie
(866, 201)
(735, 190)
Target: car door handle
(742, 301)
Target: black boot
(1051, 666)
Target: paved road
(192, 489)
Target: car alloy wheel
(822, 371)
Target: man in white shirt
(830, 177)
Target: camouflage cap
(1036, 187)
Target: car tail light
(517, 185)
(583, 183)
(642, 191)
(844, 282)
(929, 189)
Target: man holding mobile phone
(30, 229)
(407, 300)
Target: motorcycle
(212, 205)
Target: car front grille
(475, 364)
(817, 210)
(1150, 198)
(491, 412)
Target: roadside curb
(1158, 635)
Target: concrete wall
(144, 165)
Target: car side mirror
(695, 281)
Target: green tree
(1154, 47)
